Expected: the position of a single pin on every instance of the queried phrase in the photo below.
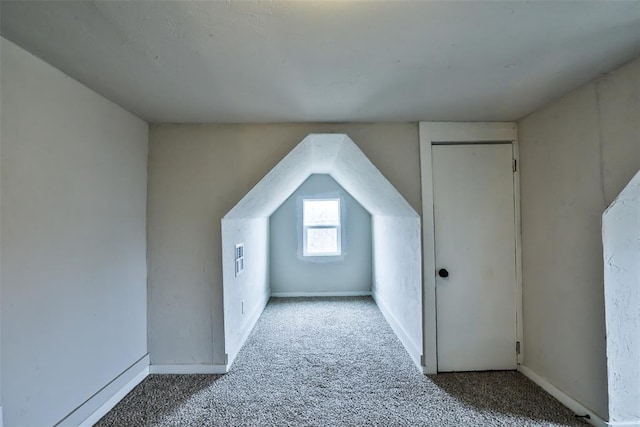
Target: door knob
(443, 273)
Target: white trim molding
(429, 368)
(115, 399)
(429, 339)
(449, 133)
(232, 349)
(409, 345)
(189, 369)
(563, 398)
(95, 407)
(320, 294)
(1, 417)
(468, 132)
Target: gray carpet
(328, 362)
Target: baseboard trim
(232, 351)
(320, 294)
(429, 370)
(102, 401)
(563, 398)
(1, 417)
(624, 423)
(188, 369)
(409, 345)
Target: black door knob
(443, 272)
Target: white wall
(290, 273)
(576, 155)
(621, 240)
(246, 294)
(397, 284)
(197, 173)
(73, 243)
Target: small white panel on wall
(239, 257)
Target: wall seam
(147, 222)
(605, 203)
(596, 88)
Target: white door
(475, 244)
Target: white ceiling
(290, 61)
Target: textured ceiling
(241, 61)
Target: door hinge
(514, 164)
(517, 347)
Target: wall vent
(239, 258)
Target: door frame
(456, 133)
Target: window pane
(322, 241)
(321, 212)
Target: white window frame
(338, 228)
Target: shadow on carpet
(508, 393)
(334, 362)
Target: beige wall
(576, 155)
(73, 244)
(197, 173)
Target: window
(321, 227)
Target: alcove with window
(298, 220)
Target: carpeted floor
(334, 362)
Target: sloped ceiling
(294, 61)
(333, 154)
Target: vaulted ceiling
(290, 61)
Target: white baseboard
(409, 345)
(429, 369)
(248, 326)
(320, 294)
(563, 398)
(113, 401)
(1, 417)
(624, 423)
(188, 369)
(97, 406)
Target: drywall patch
(621, 241)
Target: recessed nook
(395, 235)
